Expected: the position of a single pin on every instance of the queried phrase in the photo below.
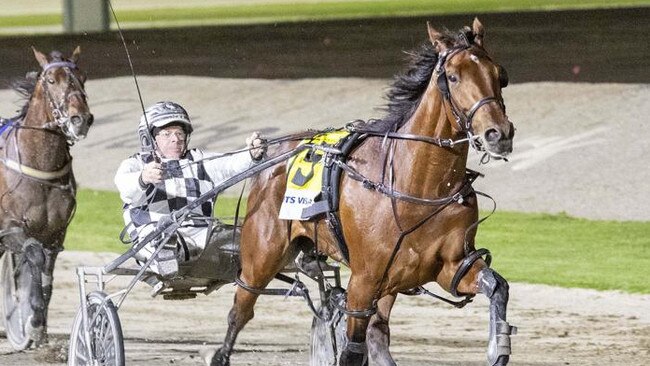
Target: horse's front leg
(47, 283)
(32, 253)
(259, 264)
(495, 287)
(481, 279)
(378, 334)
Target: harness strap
(459, 196)
(423, 291)
(407, 136)
(52, 65)
(11, 231)
(297, 289)
(465, 266)
(339, 300)
(35, 173)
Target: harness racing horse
(407, 214)
(37, 190)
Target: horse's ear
(75, 55)
(479, 32)
(435, 38)
(40, 57)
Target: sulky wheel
(101, 344)
(15, 283)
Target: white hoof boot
(207, 354)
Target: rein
(464, 122)
(411, 137)
(291, 137)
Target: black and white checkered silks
(186, 179)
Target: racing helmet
(158, 116)
(162, 114)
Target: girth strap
(35, 173)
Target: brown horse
(37, 189)
(407, 212)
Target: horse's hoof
(52, 353)
(36, 332)
(207, 354)
(213, 357)
(352, 359)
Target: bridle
(464, 120)
(62, 124)
(59, 109)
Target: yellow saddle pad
(305, 175)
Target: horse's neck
(39, 148)
(435, 171)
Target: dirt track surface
(556, 327)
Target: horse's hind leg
(239, 315)
(378, 334)
(260, 261)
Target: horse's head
(62, 85)
(471, 84)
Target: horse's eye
(453, 78)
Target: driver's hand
(257, 146)
(152, 173)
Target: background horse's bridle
(61, 125)
(59, 109)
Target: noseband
(463, 120)
(59, 109)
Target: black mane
(408, 87)
(25, 88)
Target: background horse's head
(471, 84)
(62, 85)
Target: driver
(155, 183)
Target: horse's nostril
(76, 120)
(492, 135)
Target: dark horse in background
(37, 190)
(407, 211)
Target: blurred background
(540, 40)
